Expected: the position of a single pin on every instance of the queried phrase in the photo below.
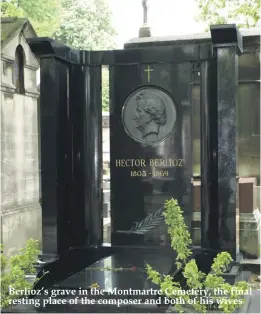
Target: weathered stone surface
(249, 234)
(21, 210)
(18, 225)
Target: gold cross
(148, 70)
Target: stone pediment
(12, 26)
(15, 31)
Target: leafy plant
(245, 13)
(86, 25)
(105, 89)
(232, 297)
(44, 15)
(14, 270)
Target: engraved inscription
(124, 163)
(150, 167)
(149, 115)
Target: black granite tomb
(151, 155)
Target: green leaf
(245, 13)
(44, 15)
(15, 269)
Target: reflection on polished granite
(126, 270)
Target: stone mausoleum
(20, 200)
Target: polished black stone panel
(226, 148)
(78, 223)
(92, 144)
(55, 161)
(208, 135)
(219, 148)
(139, 190)
(125, 270)
(85, 110)
(174, 53)
(71, 149)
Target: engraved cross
(148, 70)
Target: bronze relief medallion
(149, 115)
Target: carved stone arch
(19, 70)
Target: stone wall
(248, 216)
(20, 207)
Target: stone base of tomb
(114, 279)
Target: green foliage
(233, 296)
(44, 15)
(221, 262)
(245, 13)
(10, 9)
(193, 275)
(105, 89)
(15, 268)
(86, 25)
(178, 231)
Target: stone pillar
(249, 219)
(220, 212)
(55, 134)
(71, 146)
(92, 148)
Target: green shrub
(14, 270)
(195, 279)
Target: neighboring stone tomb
(21, 215)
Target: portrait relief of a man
(150, 115)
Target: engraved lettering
(175, 164)
(181, 162)
(118, 163)
(166, 162)
(141, 163)
(125, 163)
(162, 163)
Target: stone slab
(106, 196)
(162, 259)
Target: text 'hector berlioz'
(124, 163)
